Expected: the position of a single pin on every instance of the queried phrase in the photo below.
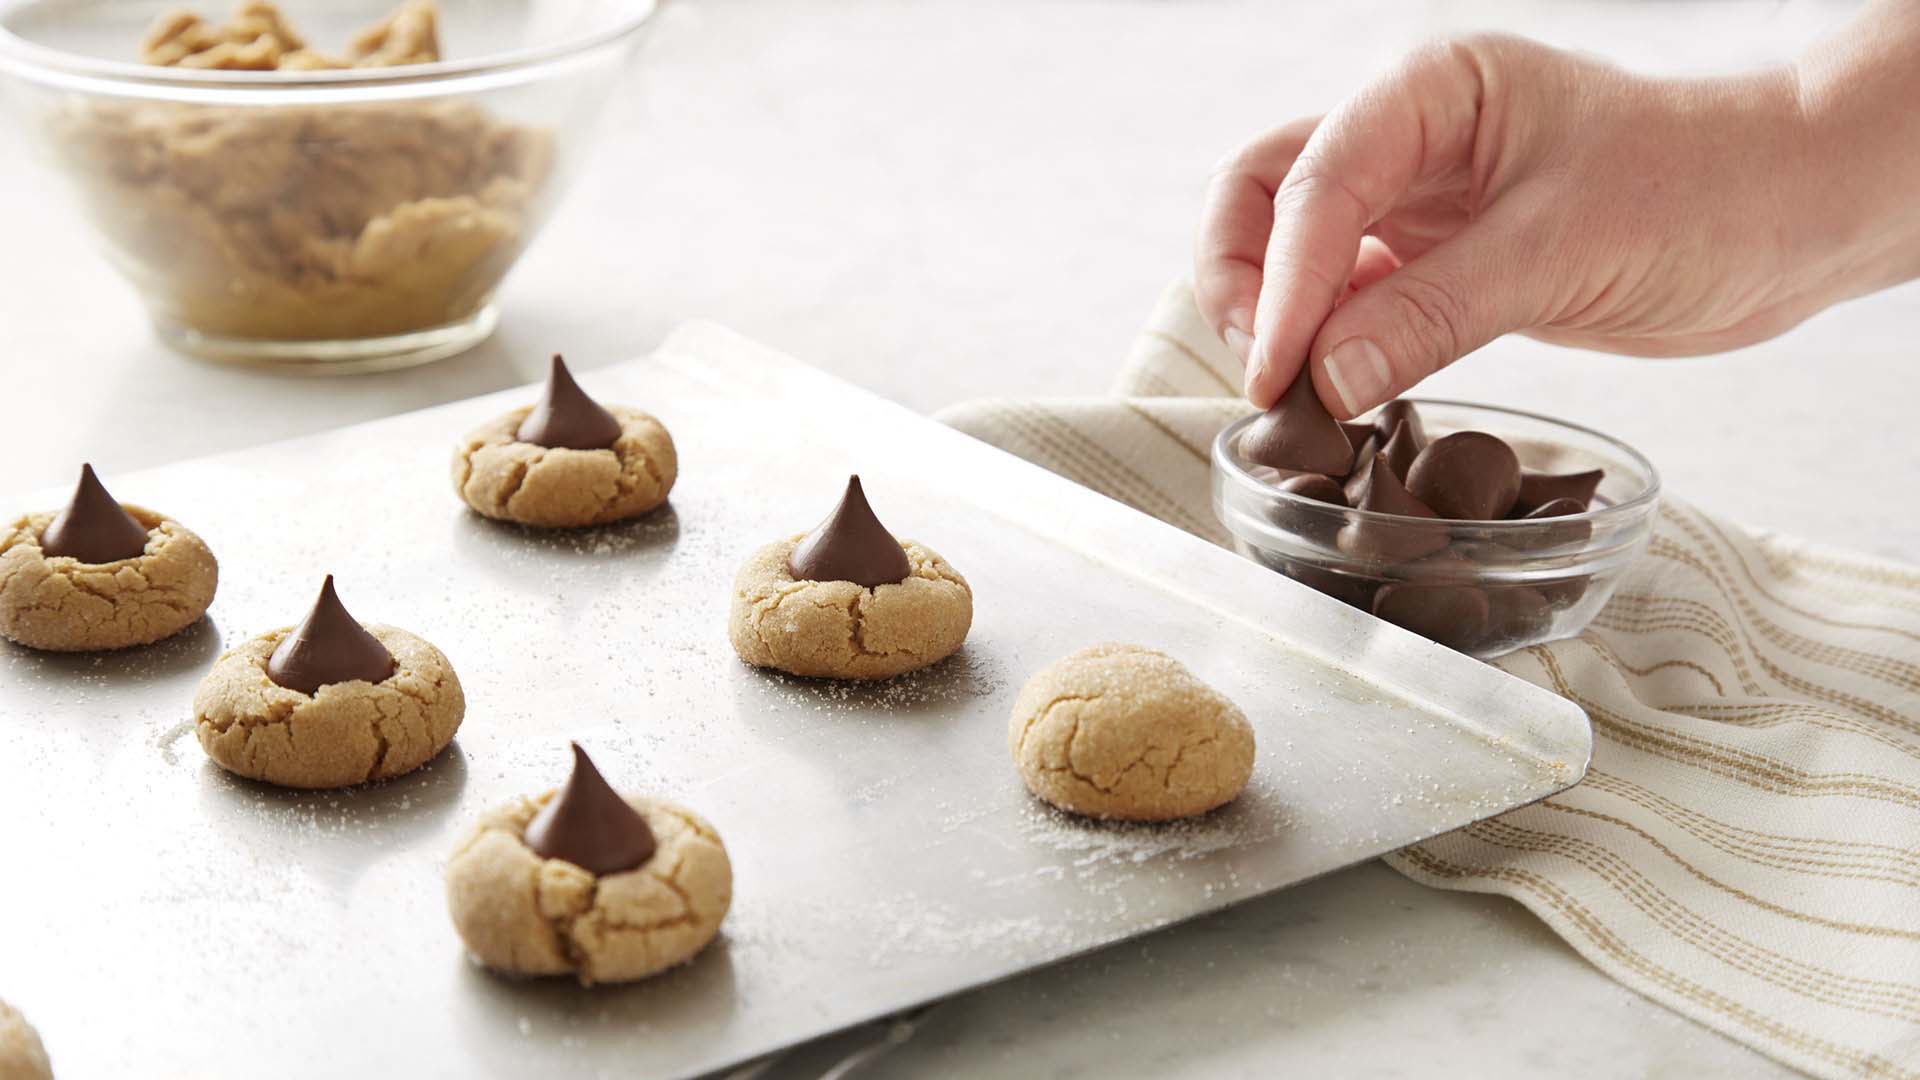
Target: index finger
(1234, 226)
(1359, 161)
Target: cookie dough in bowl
(328, 703)
(22, 1057)
(587, 882)
(848, 601)
(566, 462)
(1122, 731)
(101, 575)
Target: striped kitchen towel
(1746, 846)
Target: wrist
(1855, 96)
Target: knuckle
(1431, 320)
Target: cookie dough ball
(566, 462)
(844, 630)
(161, 582)
(342, 733)
(522, 914)
(1121, 731)
(22, 1057)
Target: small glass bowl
(1484, 588)
(326, 221)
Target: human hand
(1495, 185)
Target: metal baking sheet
(161, 918)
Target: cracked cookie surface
(61, 604)
(524, 915)
(344, 733)
(841, 630)
(509, 480)
(22, 1057)
(1122, 731)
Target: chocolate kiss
(589, 825)
(851, 545)
(93, 528)
(1400, 452)
(1357, 435)
(1467, 476)
(1397, 412)
(1539, 489)
(1316, 487)
(1298, 433)
(566, 417)
(1392, 540)
(328, 647)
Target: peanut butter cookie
(328, 703)
(566, 461)
(848, 601)
(1120, 731)
(22, 1057)
(584, 881)
(101, 575)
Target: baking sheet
(161, 918)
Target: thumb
(1483, 282)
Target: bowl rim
(42, 63)
(1225, 460)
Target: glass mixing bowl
(1484, 587)
(336, 220)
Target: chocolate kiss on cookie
(1314, 486)
(1391, 540)
(1397, 412)
(1539, 489)
(1298, 433)
(566, 417)
(851, 545)
(588, 824)
(93, 528)
(329, 647)
(1467, 476)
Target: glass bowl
(1484, 588)
(333, 220)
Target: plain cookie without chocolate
(22, 1057)
(1121, 731)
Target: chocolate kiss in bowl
(1314, 486)
(1538, 489)
(1393, 541)
(93, 528)
(1397, 412)
(1298, 433)
(588, 824)
(566, 418)
(1467, 476)
(851, 545)
(1400, 450)
(328, 647)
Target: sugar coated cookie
(22, 1057)
(587, 882)
(1121, 731)
(566, 462)
(848, 601)
(101, 575)
(328, 703)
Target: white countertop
(942, 200)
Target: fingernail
(1239, 341)
(1359, 373)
